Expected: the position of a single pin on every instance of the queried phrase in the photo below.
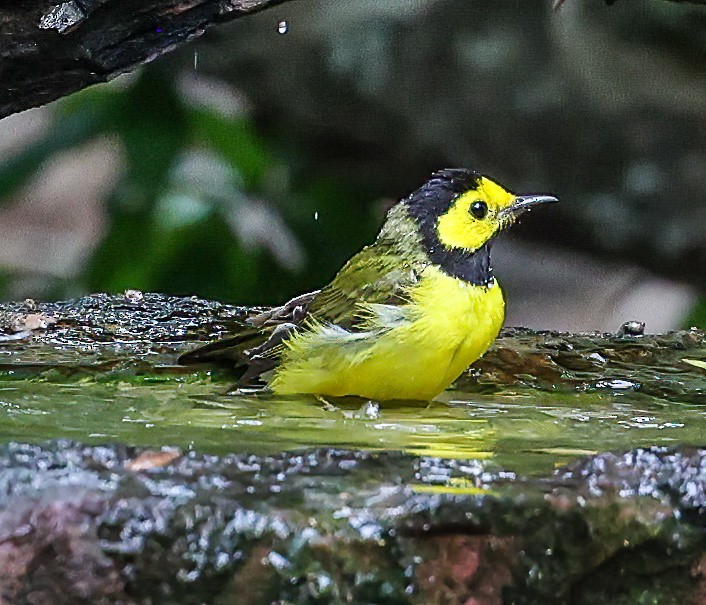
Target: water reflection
(524, 430)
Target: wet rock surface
(667, 366)
(326, 526)
(134, 318)
(101, 333)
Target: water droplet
(371, 410)
(316, 216)
(196, 60)
(616, 384)
(277, 560)
(282, 27)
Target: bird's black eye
(479, 210)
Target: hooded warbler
(405, 316)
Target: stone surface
(326, 526)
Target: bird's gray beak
(524, 203)
(527, 202)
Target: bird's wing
(374, 278)
(371, 289)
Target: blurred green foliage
(204, 204)
(697, 317)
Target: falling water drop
(282, 27)
(316, 215)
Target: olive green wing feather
(377, 275)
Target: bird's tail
(226, 351)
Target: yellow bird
(405, 316)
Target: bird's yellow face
(475, 216)
(457, 213)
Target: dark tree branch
(49, 49)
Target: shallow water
(526, 430)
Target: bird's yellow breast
(447, 324)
